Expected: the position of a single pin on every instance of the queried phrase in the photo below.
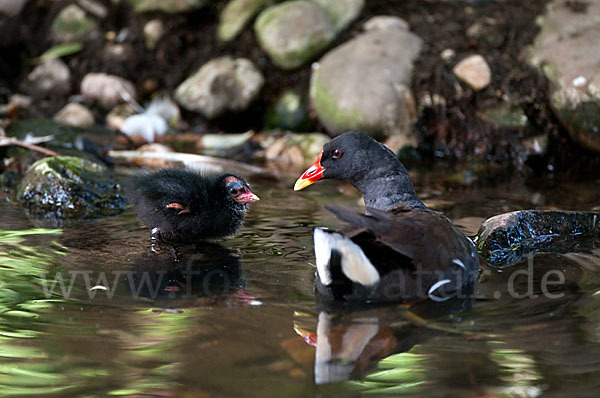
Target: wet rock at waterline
(222, 84)
(294, 32)
(63, 188)
(567, 50)
(235, 16)
(169, 6)
(364, 84)
(509, 238)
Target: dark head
(370, 166)
(237, 190)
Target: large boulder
(220, 85)
(364, 84)
(62, 188)
(294, 32)
(567, 50)
(509, 238)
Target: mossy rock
(509, 238)
(69, 188)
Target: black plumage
(399, 249)
(185, 206)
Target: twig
(191, 160)
(6, 141)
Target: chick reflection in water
(209, 271)
(351, 341)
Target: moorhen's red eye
(336, 154)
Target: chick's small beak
(311, 175)
(247, 197)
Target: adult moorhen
(184, 206)
(399, 250)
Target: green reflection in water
(23, 370)
(403, 373)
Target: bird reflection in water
(209, 271)
(350, 341)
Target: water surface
(239, 318)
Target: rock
(117, 53)
(154, 30)
(169, 6)
(220, 85)
(11, 8)
(505, 116)
(288, 113)
(108, 90)
(294, 32)
(567, 51)
(153, 122)
(51, 77)
(364, 84)
(295, 152)
(72, 24)
(474, 71)
(75, 114)
(382, 22)
(68, 188)
(236, 15)
(117, 115)
(341, 12)
(509, 238)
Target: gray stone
(236, 15)
(50, 77)
(72, 24)
(169, 6)
(69, 188)
(381, 22)
(294, 32)
(219, 85)
(567, 50)
(153, 32)
(288, 113)
(509, 238)
(474, 71)
(341, 12)
(11, 8)
(364, 84)
(108, 90)
(75, 114)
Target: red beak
(247, 197)
(313, 174)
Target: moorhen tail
(399, 249)
(182, 206)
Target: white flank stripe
(435, 287)
(355, 265)
(459, 263)
(322, 255)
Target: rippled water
(240, 318)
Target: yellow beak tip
(301, 184)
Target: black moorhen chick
(184, 206)
(399, 250)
